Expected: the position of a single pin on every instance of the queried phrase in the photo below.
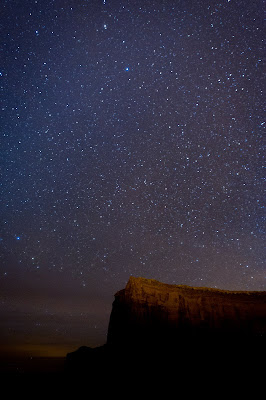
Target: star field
(132, 144)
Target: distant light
(127, 68)
(18, 237)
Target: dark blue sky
(132, 144)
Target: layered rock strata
(160, 329)
(148, 311)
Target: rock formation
(150, 311)
(156, 322)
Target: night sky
(132, 144)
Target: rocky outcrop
(153, 324)
(148, 312)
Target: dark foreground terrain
(23, 366)
(163, 336)
(173, 333)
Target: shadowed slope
(153, 324)
(148, 310)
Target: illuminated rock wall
(150, 312)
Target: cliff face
(148, 312)
(153, 324)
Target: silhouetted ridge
(155, 321)
(148, 310)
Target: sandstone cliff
(149, 312)
(158, 329)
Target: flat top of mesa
(135, 283)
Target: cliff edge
(148, 311)
(154, 322)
